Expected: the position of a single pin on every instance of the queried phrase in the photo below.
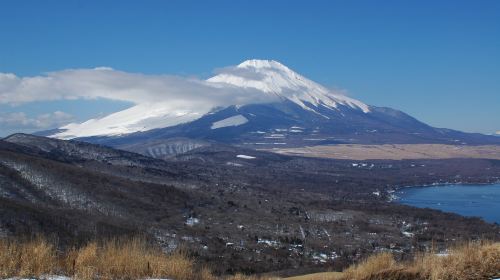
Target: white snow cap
(275, 78)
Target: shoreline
(393, 198)
(396, 197)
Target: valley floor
(393, 151)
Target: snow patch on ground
(272, 243)
(51, 277)
(314, 139)
(245, 157)
(231, 121)
(275, 135)
(192, 221)
(442, 254)
(408, 234)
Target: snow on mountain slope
(267, 77)
(141, 117)
(273, 77)
(231, 121)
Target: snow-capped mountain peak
(249, 81)
(272, 77)
(262, 63)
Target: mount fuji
(291, 111)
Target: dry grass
(131, 259)
(393, 151)
(113, 259)
(467, 262)
(31, 258)
(371, 266)
(470, 261)
(137, 259)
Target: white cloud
(159, 100)
(21, 121)
(163, 99)
(105, 82)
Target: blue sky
(436, 60)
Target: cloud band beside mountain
(164, 100)
(173, 95)
(118, 85)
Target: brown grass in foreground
(114, 259)
(471, 261)
(137, 259)
(35, 257)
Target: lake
(467, 200)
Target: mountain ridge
(294, 111)
(279, 83)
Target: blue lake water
(467, 200)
